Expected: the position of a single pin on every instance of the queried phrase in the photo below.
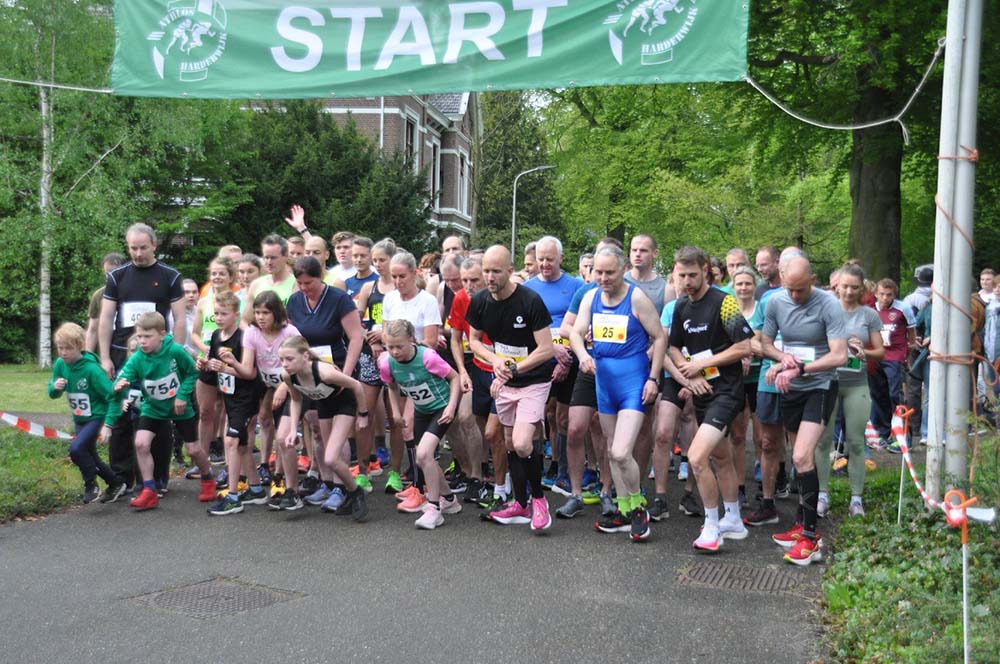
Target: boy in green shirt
(79, 375)
(167, 374)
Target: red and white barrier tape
(33, 428)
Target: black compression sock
(518, 477)
(533, 467)
(809, 494)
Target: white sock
(507, 485)
(856, 500)
(712, 516)
(732, 510)
(824, 496)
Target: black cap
(924, 274)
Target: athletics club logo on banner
(189, 39)
(657, 26)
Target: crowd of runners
(293, 378)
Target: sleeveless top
(321, 391)
(373, 312)
(616, 330)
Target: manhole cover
(214, 597)
(727, 576)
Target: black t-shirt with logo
(511, 325)
(713, 324)
(137, 290)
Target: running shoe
(782, 489)
(309, 484)
(639, 526)
(207, 493)
(112, 493)
(756, 472)
(591, 496)
(383, 456)
(481, 496)
(608, 506)
(682, 472)
(242, 485)
(552, 472)
(709, 540)
(894, 447)
(453, 506)
(90, 493)
(495, 504)
(222, 479)
(365, 483)
(743, 497)
(822, 505)
(406, 493)
(264, 474)
(590, 479)
(430, 519)
(334, 501)
(251, 497)
(224, 506)
(870, 465)
(374, 468)
(787, 539)
(319, 496)
(393, 483)
(659, 509)
(272, 461)
(355, 470)
(761, 516)
(616, 523)
(512, 513)
(570, 508)
(216, 453)
(278, 488)
(732, 528)
(193, 473)
(690, 506)
(876, 443)
(356, 505)
(547, 450)
(303, 463)
(451, 470)
(146, 500)
(857, 509)
(472, 489)
(414, 503)
(548, 482)
(804, 552)
(290, 501)
(540, 517)
(459, 483)
(562, 486)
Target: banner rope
(57, 86)
(897, 118)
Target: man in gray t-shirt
(814, 344)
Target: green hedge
(36, 475)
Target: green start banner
(282, 49)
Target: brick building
(437, 131)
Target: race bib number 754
(163, 388)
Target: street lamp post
(513, 208)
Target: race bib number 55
(79, 403)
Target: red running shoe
(207, 494)
(147, 499)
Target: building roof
(449, 104)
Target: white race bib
(804, 354)
(322, 353)
(710, 373)
(79, 403)
(163, 388)
(135, 398)
(557, 338)
(271, 377)
(420, 394)
(516, 353)
(227, 383)
(610, 328)
(132, 310)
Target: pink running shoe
(540, 517)
(512, 513)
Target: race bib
(557, 338)
(135, 397)
(132, 310)
(163, 388)
(318, 393)
(516, 353)
(853, 364)
(79, 403)
(610, 328)
(227, 383)
(271, 377)
(420, 394)
(322, 353)
(804, 354)
(710, 373)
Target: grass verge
(24, 389)
(894, 593)
(36, 475)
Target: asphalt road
(382, 591)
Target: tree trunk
(876, 201)
(45, 208)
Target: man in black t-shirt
(133, 289)
(517, 321)
(708, 340)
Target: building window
(463, 185)
(435, 176)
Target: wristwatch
(802, 368)
(656, 381)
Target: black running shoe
(265, 474)
(290, 501)
(616, 523)
(639, 524)
(459, 483)
(113, 493)
(658, 508)
(690, 506)
(90, 493)
(309, 485)
(763, 515)
(222, 479)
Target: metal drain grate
(214, 597)
(727, 576)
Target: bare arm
(351, 323)
(109, 308)
(178, 309)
